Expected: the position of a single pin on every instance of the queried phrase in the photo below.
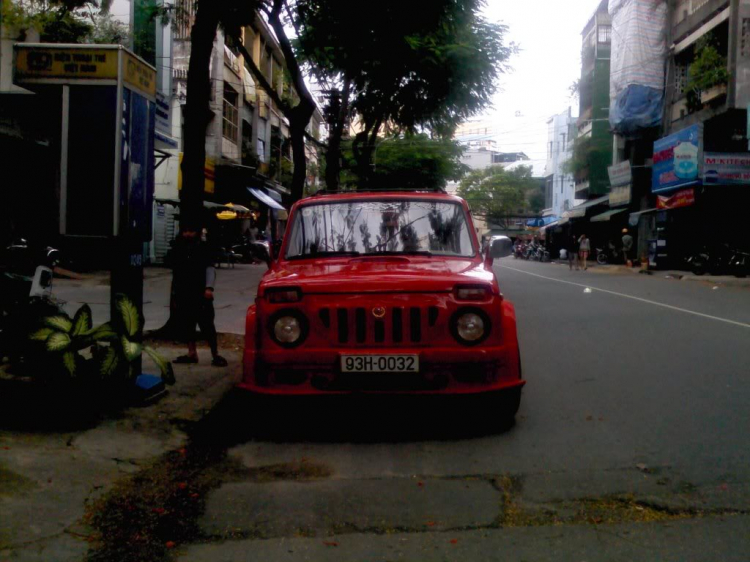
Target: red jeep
(383, 292)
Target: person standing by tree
(584, 249)
(194, 276)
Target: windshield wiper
(325, 254)
(401, 253)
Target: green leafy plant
(113, 347)
(709, 67)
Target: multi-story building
(707, 100)
(559, 182)
(592, 152)
(247, 141)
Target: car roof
(328, 197)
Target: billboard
(678, 160)
(726, 169)
(621, 180)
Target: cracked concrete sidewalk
(47, 478)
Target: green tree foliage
(537, 200)
(58, 21)
(495, 193)
(409, 161)
(709, 67)
(395, 71)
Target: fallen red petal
(328, 543)
(420, 484)
(183, 452)
(194, 495)
(159, 510)
(454, 541)
(170, 544)
(182, 485)
(430, 523)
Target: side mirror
(262, 251)
(501, 247)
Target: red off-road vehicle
(383, 292)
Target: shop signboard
(683, 198)
(621, 181)
(678, 160)
(49, 62)
(209, 172)
(726, 168)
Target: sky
(548, 33)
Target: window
(262, 150)
(605, 33)
(390, 227)
(231, 124)
(185, 16)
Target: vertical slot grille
(379, 331)
(325, 317)
(415, 322)
(343, 322)
(360, 320)
(433, 315)
(398, 325)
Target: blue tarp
(636, 107)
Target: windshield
(376, 227)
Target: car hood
(377, 275)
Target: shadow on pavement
(240, 418)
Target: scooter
(24, 296)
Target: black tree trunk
(197, 114)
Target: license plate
(380, 363)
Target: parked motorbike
(610, 255)
(25, 294)
(720, 259)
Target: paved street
(637, 387)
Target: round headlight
(287, 330)
(470, 327)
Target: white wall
(559, 151)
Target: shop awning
(580, 210)
(635, 217)
(606, 216)
(265, 199)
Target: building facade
(247, 141)
(592, 152)
(559, 182)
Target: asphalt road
(637, 385)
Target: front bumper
(442, 371)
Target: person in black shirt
(193, 281)
(571, 248)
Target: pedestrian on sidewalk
(584, 249)
(571, 249)
(627, 246)
(194, 276)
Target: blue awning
(265, 198)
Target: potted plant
(708, 74)
(73, 350)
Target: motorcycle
(25, 294)
(720, 259)
(603, 257)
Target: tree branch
(264, 83)
(292, 64)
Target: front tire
(601, 258)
